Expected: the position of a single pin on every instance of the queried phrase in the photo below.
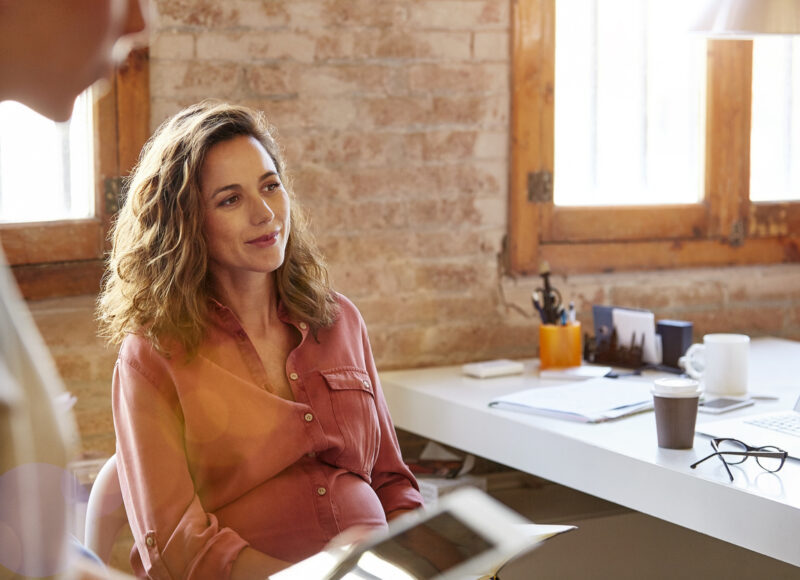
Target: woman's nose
(261, 211)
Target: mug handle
(687, 361)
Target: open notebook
(467, 536)
(590, 401)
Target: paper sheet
(631, 324)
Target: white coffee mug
(721, 363)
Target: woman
(251, 427)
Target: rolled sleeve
(174, 536)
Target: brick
(754, 321)
(292, 112)
(413, 309)
(441, 145)
(767, 284)
(262, 13)
(256, 46)
(339, 217)
(362, 13)
(458, 78)
(464, 243)
(275, 80)
(491, 45)
(453, 214)
(478, 110)
(194, 79)
(452, 14)
(342, 148)
(370, 279)
(334, 46)
(665, 294)
(367, 247)
(172, 45)
(195, 13)
(402, 44)
(486, 178)
(453, 276)
(353, 79)
(396, 111)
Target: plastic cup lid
(676, 387)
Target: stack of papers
(589, 401)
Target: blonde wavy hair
(157, 282)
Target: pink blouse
(210, 461)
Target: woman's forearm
(254, 565)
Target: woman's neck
(254, 301)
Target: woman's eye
(271, 186)
(229, 200)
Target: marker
(571, 314)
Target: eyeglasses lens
(770, 463)
(731, 445)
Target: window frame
(66, 258)
(725, 228)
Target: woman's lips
(264, 241)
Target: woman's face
(246, 211)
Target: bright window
(637, 146)
(775, 136)
(630, 103)
(46, 168)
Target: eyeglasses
(733, 452)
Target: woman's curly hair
(157, 282)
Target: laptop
(779, 428)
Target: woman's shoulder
(347, 309)
(138, 349)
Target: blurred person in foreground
(50, 51)
(251, 426)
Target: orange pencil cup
(560, 346)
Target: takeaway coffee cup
(675, 401)
(720, 363)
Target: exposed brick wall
(395, 119)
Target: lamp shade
(748, 17)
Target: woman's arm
(253, 565)
(175, 537)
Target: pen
(571, 314)
(538, 307)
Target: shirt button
(311, 454)
(366, 383)
(293, 376)
(303, 325)
(321, 491)
(308, 417)
(150, 541)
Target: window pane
(630, 103)
(46, 168)
(775, 125)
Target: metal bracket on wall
(736, 237)
(540, 187)
(112, 187)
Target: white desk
(620, 461)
